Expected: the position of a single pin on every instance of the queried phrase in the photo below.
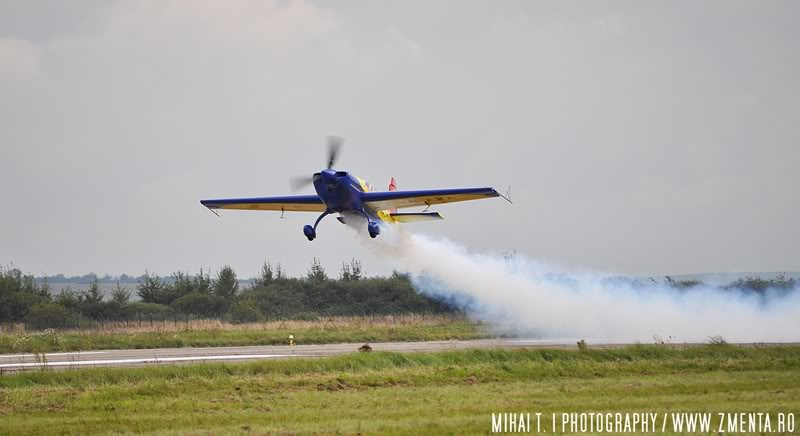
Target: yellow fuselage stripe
(382, 214)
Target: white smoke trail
(533, 298)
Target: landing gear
(311, 232)
(374, 229)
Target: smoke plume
(534, 299)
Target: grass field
(216, 334)
(451, 392)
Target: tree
(345, 274)
(19, 293)
(92, 294)
(355, 270)
(265, 276)
(152, 289)
(182, 285)
(69, 299)
(351, 271)
(201, 284)
(121, 294)
(226, 285)
(279, 272)
(316, 273)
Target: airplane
(351, 196)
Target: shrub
(199, 304)
(147, 311)
(244, 312)
(717, 340)
(757, 284)
(47, 315)
(19, 293)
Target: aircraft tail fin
(392, 187)
(416, 217)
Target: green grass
(209, 334)
(451, 392)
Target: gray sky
(638, 137)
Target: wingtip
(208, 206)
(506, 197)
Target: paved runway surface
(16, 362)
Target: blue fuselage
(341, 192)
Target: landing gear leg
(311, 232)
(372, 227)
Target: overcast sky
(638, 137)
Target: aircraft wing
(399, 199)
(292, 203)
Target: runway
(161, 356)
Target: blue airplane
(352, 198)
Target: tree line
(271, 295)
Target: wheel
(374, 229)
(309, 232)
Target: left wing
(292, 203)
(400, 199)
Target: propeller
(334, 145)
(298, 183)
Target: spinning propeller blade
(334, 145)
(300, 182)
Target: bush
(243, 312)
(147, 311)
(19, 293)
(108, 310)
(683, 284)
(757, 284)
(297, 298)
(199, 304)
(272, 296)
(47, 315)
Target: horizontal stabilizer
(416, 217)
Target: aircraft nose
(329, 176)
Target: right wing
(400, 199)
(292, 203)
